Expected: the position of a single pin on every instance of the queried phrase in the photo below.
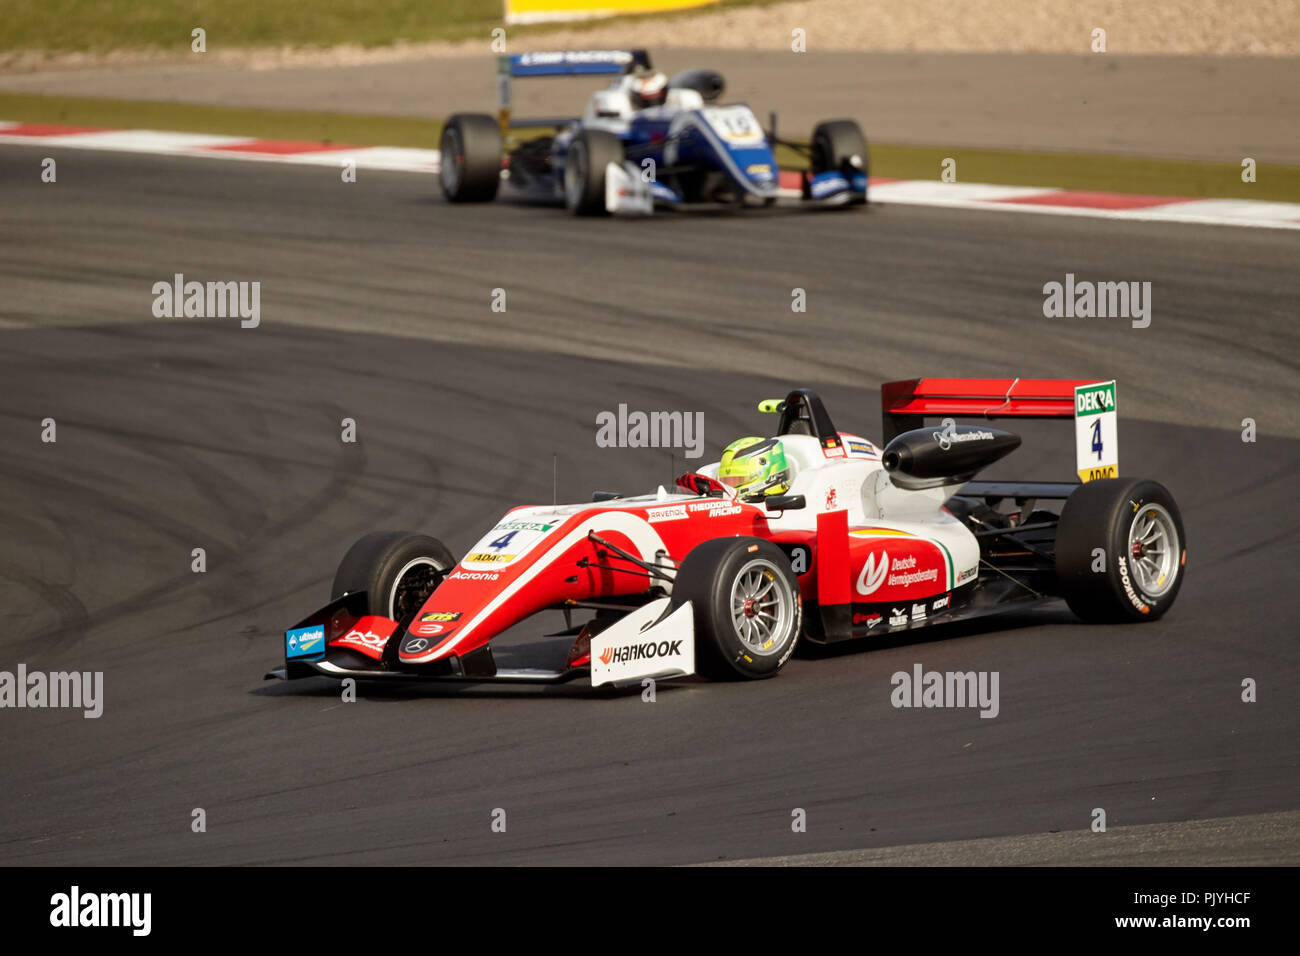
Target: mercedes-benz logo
(416, 645)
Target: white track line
(984, 196)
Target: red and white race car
(866, 541)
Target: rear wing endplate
(560, 63)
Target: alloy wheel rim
(1153, 549)
(761, 608)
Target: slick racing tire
(584, 170)
(748, 613)
(470, 165)
(398, 570)
(1120, 550)
(838, 145)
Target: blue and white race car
(646, 141)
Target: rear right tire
(470, 163)
(1120, 550)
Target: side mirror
(786, 502)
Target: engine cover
(708, 83)
(944, 455)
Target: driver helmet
(648, 89)
(755, 467)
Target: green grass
(75, 25)
(1125, 174)
(68, 25)
(348, 128)
(1159, 177)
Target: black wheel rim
(412, 587)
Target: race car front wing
(655, 641)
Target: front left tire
(590, 151)
(839, 146)
(398, 570)
(747, 608)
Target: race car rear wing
(905, 405)
(560, 63)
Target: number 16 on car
(1096, 431)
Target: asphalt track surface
(176, 434)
